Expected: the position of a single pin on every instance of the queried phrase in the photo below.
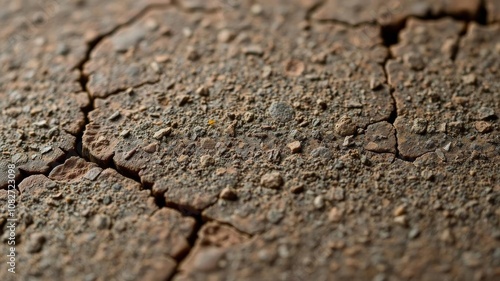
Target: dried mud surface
(252, 140)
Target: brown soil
(251, 140)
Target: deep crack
(482, 15)
(192, 241)
(84, 78)
(159, 200)
(390, 35)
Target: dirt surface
(251, 140)
(394, 11)
(493, 10)
(82, 215)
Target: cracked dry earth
(251, 140)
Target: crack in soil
(84, 79)
(390, 37)
(482, 14)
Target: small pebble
(335, 214)
(248, 117)
(294, 68)
(208, 259)
(225, 36)
(266, 71)
(106, 200)
(419, 126)
(364, 160)
(296, 189)
(447, 147)
(281, 112)
(46, 149)
(114, 116)
(401, 220)
(162, 133)
(469, 79)
(345, 126)
(319, 202)
(117, 187)
(253, 50)
(40, 123)
(322, 152)
(400, 210)
(206, 161)
(256, 9)
(192, 54)
(414, 233)
(102, 221)
(485, 113)
(155, 67)
(183, 100)
(348, 141)
(151, 148)
(151, 24)
(272, 180)
(295, 147)
(202, 91)
(187, 32)
(447, 236)
(374, 83)
(162, 58)
(124, 133)
(228, 193)
(483, 127)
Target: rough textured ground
(252, 140)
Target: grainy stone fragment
(335, 214)
(319, 202)
(295, 147)
(281, 112)
(114, 116)
(162, 133)
(485, 113)
(345, 126)
(419, 126)
(207, 161)
(253, 50)
(483, 126)
(228, 194)
(271, 180)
